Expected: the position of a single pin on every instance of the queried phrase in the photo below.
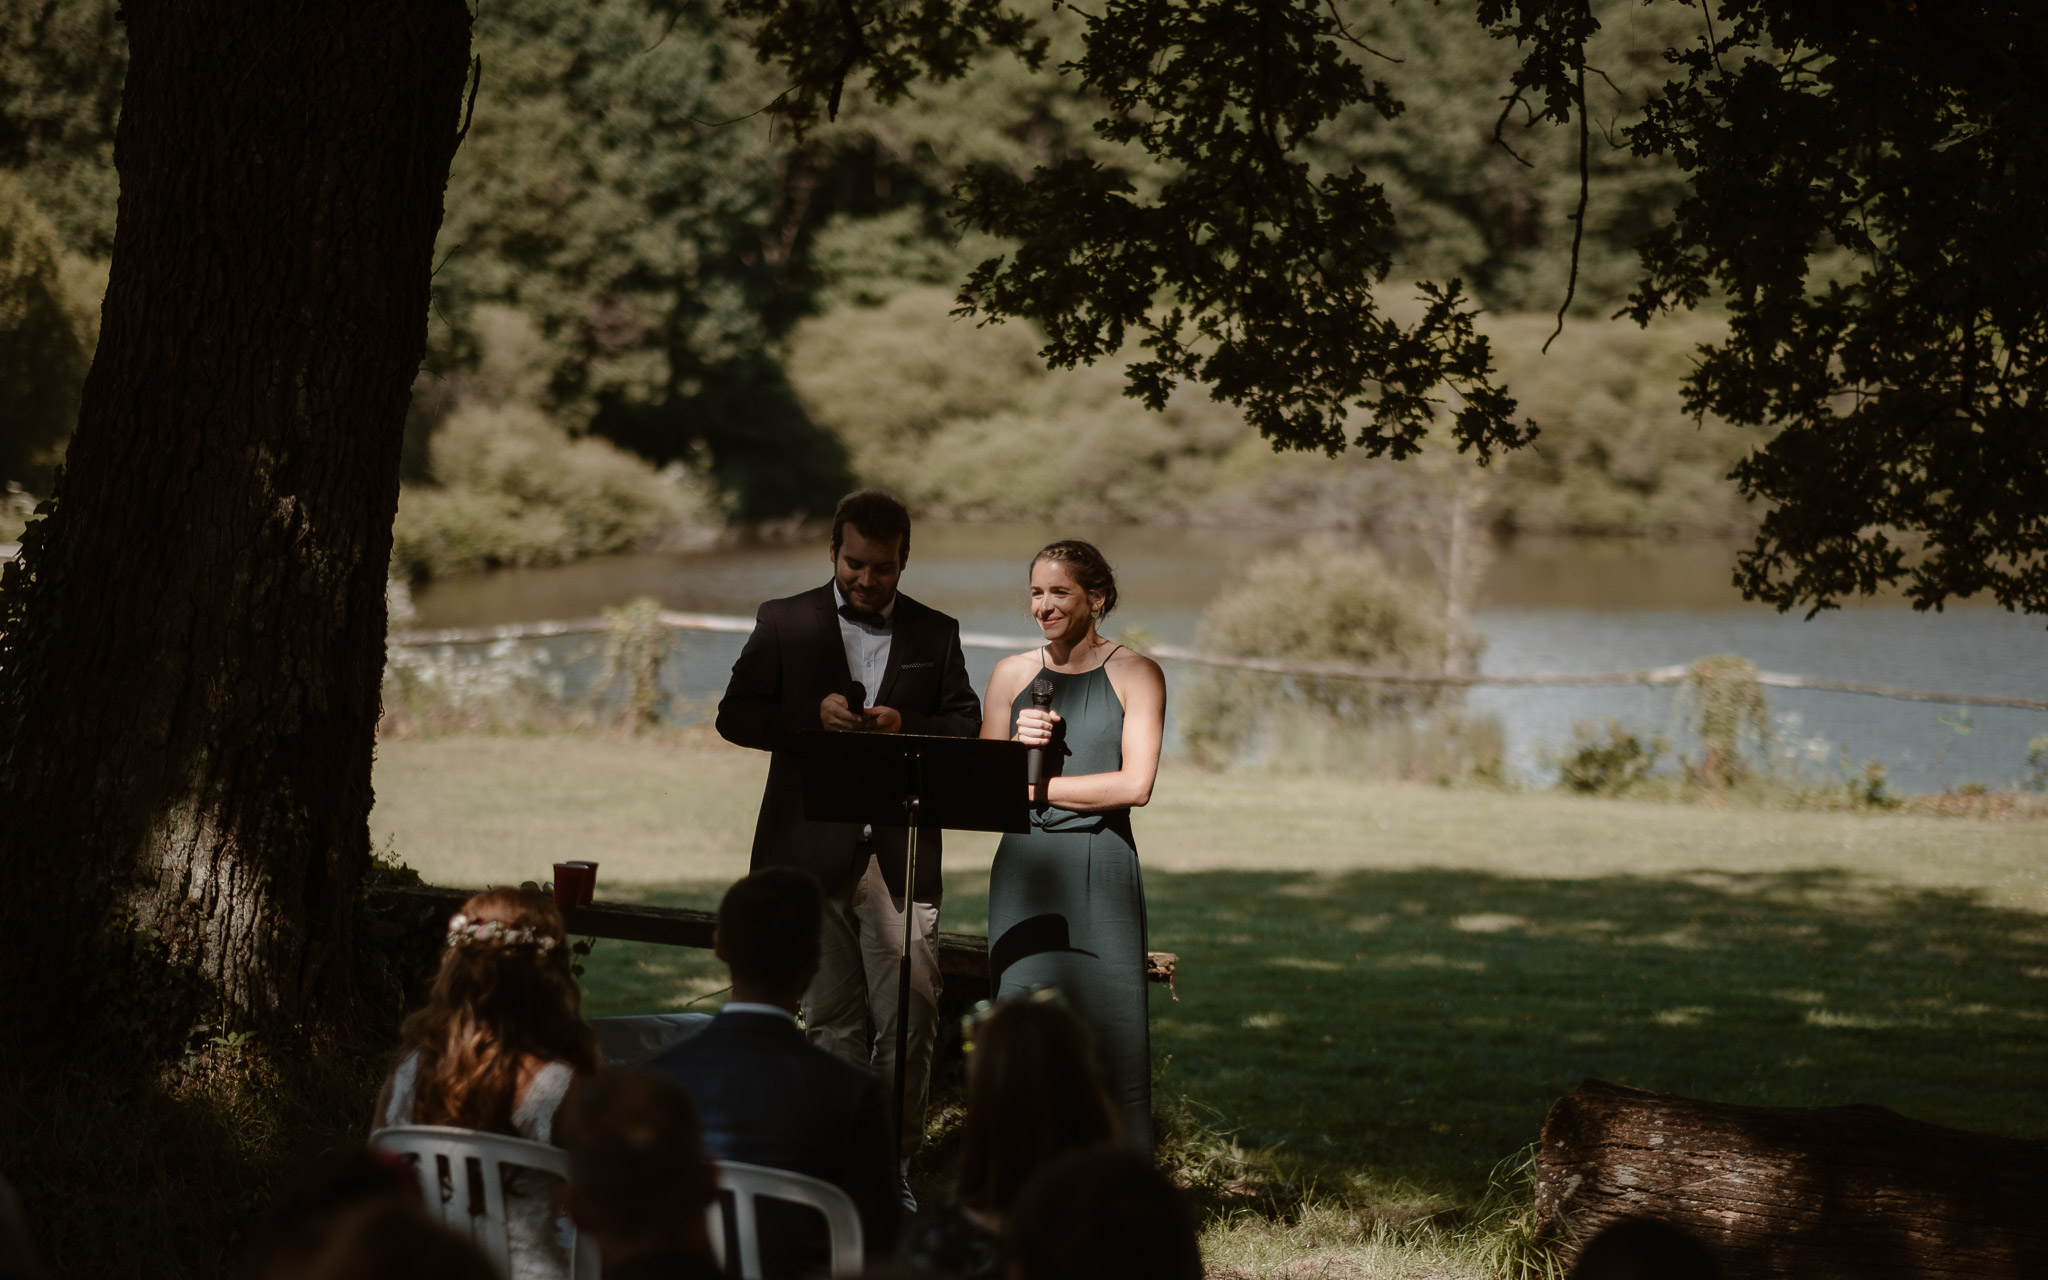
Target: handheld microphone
(856, 696)
(1034, 759)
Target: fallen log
(1819, 1192)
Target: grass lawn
(1384, 986)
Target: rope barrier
(731, 625)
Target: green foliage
(509, 487)
(61, 67)
(965, 422)
(1870, 789)
(610, 189)
(1321, 603)
(1607, 761)
(1270, 268)
(2037, 764)
(49, 325)
(516, 490)
(634, 643)
(1618, 454)
(1727, 710)
(1869, 195)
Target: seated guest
(1644, 1249)
(639, 1182)
(357, 1213)
(497, 1048)
(1103, 1214)
(1034, 1094)
(766, 1095)
(392, 1241)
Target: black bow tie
(879, 621)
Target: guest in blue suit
(767, 1096)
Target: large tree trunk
(1796, 1192)
(195, 636)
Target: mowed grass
(1383, 987)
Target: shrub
(1608, 765)
(1321, 603)
(1725, 705)
(49, 325)
(635, 642)
(513, 489)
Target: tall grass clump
(1334, 604)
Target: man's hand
(833, 713)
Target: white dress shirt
(867, 646)
(747, 1006)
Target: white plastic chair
(457, 1166)
(748, 1181)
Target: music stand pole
(912, 811)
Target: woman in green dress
(1066, 905)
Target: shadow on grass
(1410, 1028)
(1417, 1024)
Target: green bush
(1321, 603)
(514, 490)
(1608, 764)
(49, 325)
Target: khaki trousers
(850, 1008)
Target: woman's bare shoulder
(1017, 664)
(1130, 664)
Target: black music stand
(912, 780)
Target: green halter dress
(1066, 905)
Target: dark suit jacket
(792, 661)
(765, 1095)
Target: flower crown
(465, 932)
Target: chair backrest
(462, 1178)
(748, 1181)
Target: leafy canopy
(1865, 198)
(1270, 263)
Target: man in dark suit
(765, 1096)
(796, 673)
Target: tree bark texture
(1816, 1193)
(196, 634)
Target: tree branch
(1571, 286)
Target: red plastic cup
(572, 883)
(587, 885)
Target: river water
(1549, 604)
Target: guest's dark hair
(504, 993)
(878, 516)
(1089, 567)
(1103, 1214)
(356, 1213)
(1033, 1095)
(636, 1153)
(768, 926)
(1644, 1249)
(388, 1241)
